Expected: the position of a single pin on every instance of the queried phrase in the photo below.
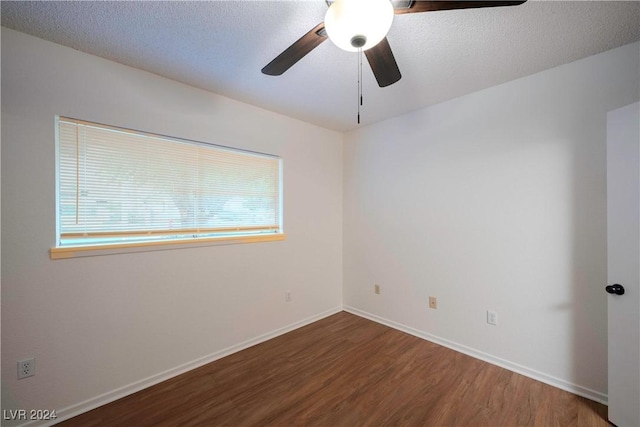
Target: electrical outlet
(287, 296)
(376, 289)
(433, 302)
(492, 317)
(26, 368)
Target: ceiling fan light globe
(348, 20)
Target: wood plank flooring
(348, 371)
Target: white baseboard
(95, 402)
(514, 367)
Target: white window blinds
(117, 185)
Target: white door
(623, 251)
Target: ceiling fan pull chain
(360, 78)
(359, 82)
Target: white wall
(101, 323)
(495, 200)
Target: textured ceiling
(221, 46)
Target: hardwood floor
(348, 371)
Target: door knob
(615, 289)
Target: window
(122, 188)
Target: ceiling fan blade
(296, 51)
(432, 6)
(383, 63)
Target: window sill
(123, 248)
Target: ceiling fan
(362, 25)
